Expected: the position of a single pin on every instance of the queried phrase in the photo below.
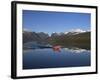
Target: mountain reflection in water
(58, 48)
(49, 57)
(76, 50)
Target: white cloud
(77, 30)
(25, 29)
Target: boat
(57, 48)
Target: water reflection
(59, 48)
(56, 57)
(56, 48)
(76, 50)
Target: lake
(48, 58)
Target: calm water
(48, 58)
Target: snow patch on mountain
(75, 31)
(78, 30)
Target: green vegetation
(81, 40)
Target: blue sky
(45, 21)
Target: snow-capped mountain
(75, 31)
(78, 30)
(71, 32)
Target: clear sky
(45, 21)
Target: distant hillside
(80, 40)
(34, 37)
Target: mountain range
(79, 39)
